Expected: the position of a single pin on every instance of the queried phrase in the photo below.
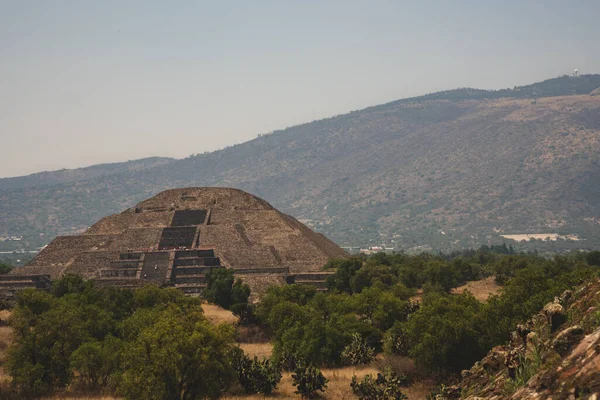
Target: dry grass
(6, 335)
(418, 296)
(481, 290)
(257, 349)
(338, 386)
(5, 315)
(218, 315)
(82, 397)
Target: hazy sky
(85, 82)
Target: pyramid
(177, 236)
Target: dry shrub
(252, 334)
(400, 366)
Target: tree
(5, 268)
(223, 290)
(445, 334)
(96, 362)
(344, 272)
(593, 258)
(181, 356)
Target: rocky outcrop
(554, 355)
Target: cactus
(358, 352)
(256, 376)
(385, 387)
(308, 380)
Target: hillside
(443, 171)
(49, 178)
(556, 354)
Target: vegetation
(5, 268)
(156, 343)
(308, 381)
(369, 305)
(149, 344)
(231, 294)
(358, 351)
(254, 375)
(385, 387)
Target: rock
(512, 362)
(565, 297)
(555, 314)
(532, 339)
(452, 392)
(494, 361)
(567, 339)
(523, 330)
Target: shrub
(96, 361)
(401, 366)
(5, 268)
(344, 272)
(256, 376)
(308, 380)
(246, 313)
(180, 356)
(223, 290)
(395, 340)
(358, 352)
(446, 335)
(385, 387)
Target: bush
(149, 344)
(225, 291)
(5, 268)
(395, 340)
(245, 312)
(308, 380)
(180, 356)
(96, 362)
(385, 387)
(445, 334)
(358, 352)
(401, 366)
(254, 375)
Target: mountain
(442, 171)
(49, 178)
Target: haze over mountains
(441, 171)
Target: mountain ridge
(430, 173)
(66, 175)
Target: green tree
(223, 290)
(5, 268)
(97, 362)
(445, 333)
(180, 356)
(344, 272)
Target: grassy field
(481, 290)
